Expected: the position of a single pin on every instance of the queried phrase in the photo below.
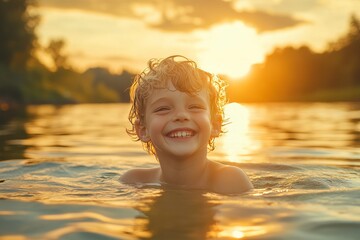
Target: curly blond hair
(185, 77)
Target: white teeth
(181, 134)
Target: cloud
(294, 6)
(113, 7)
(264, 21)
(181, 15)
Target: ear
(141, 131)
(216, 126)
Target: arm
(131, 176)
(140, 175)
(231, 180)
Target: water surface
(60, 166)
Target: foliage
(120, 83)
(298, 74)
(24, 79)
(56, 51)
(17, 31)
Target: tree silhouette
(56, 51)
(297, 74)
(17, 27)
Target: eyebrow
(195, 97)
(158, 100)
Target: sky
(222, 36)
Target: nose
(181, 115)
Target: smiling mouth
(181, 134)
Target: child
(177, 112)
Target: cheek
(155, 125)
(204, 121)
(205, 117)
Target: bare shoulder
(230, 180)
(141, 175)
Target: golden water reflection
(194, 215)
(237, 143)
(185, 214)
(239, 232)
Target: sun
(230, 49)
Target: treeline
(38, 85)
(26, 80)
(287, 74)
(299, 74)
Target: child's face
(177, 124)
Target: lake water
(60, 166)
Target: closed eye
(197, 106)
(161, 109)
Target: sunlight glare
(236, 142)
(239, 232)
(236, 233)
(230, 49)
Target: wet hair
(186, 77)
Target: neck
(185, 172)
